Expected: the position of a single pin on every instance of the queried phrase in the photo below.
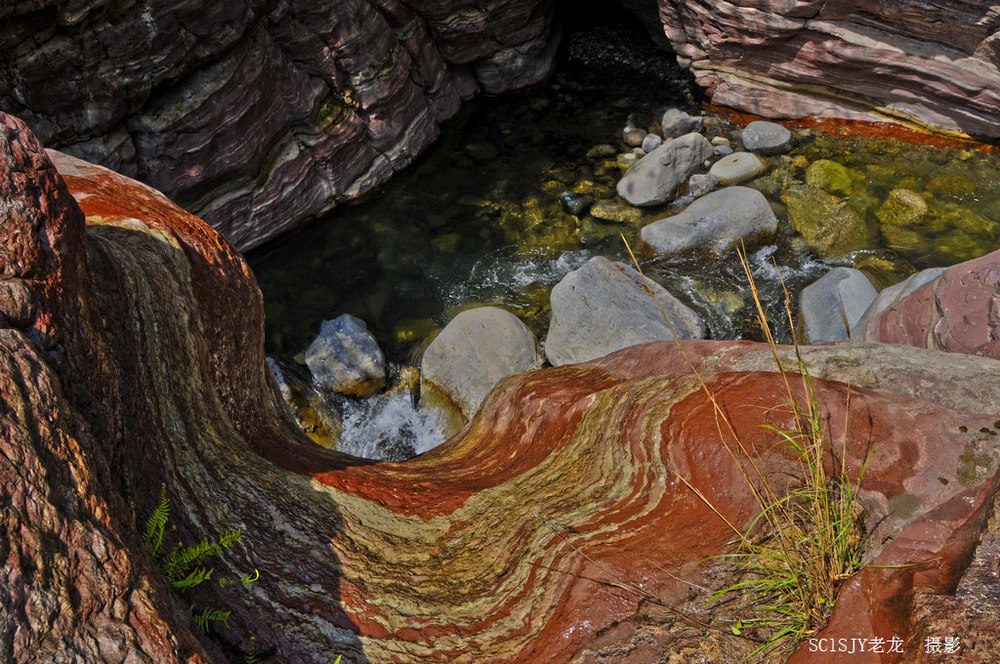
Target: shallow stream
(479, 220)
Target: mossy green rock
(952, 187)
(903, 207)
(615, 211)
(829, 225)
(831, 177)
(906, 222)
(972, 223)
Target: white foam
(388, 427)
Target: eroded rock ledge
(256, 114)
(133, 356)
(929, 63)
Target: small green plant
(184, 566)
(808, 535)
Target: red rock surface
(923, 62)
(553, 528)
(257, 114)
(958, 312)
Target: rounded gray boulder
(766, 137)
(737, 167)
(472, 353)
(654, 179)
(714, 221)
(604, 306)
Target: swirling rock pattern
(925, 62)
(553, 528)
(258, 114)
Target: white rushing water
(388, 427)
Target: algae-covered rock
(828, 224)
(615, 211)
(972, 223)
(907, 224)
(831, 177)
(903, 207)
(883, 270)
(952, 187)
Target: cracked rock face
(920, 61)
(257, 114)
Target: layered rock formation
(553, 528)
(957, 310)
(924, 62)
(258, 114)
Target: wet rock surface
(473, 352)
(832, 306)
(715, 221)
(346, 358)
(603, 307)
(442, 557)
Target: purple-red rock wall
(959, 311)
(257, 115)
(923, 62)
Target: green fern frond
(152, 537)
(251, 656)
(208, 616)
(182, 559)
(193, 579)
(229, 538)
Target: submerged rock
(633, 136)
(345, 358)
(655, 178)
(736, 168)
(615, 211)
(603, 307)
(575, 204)
(766, 137)
(842, 294)
(715, 221)
(676, 122)
(831, 177)
(901, 217)
(829, 225)
(474, 351)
